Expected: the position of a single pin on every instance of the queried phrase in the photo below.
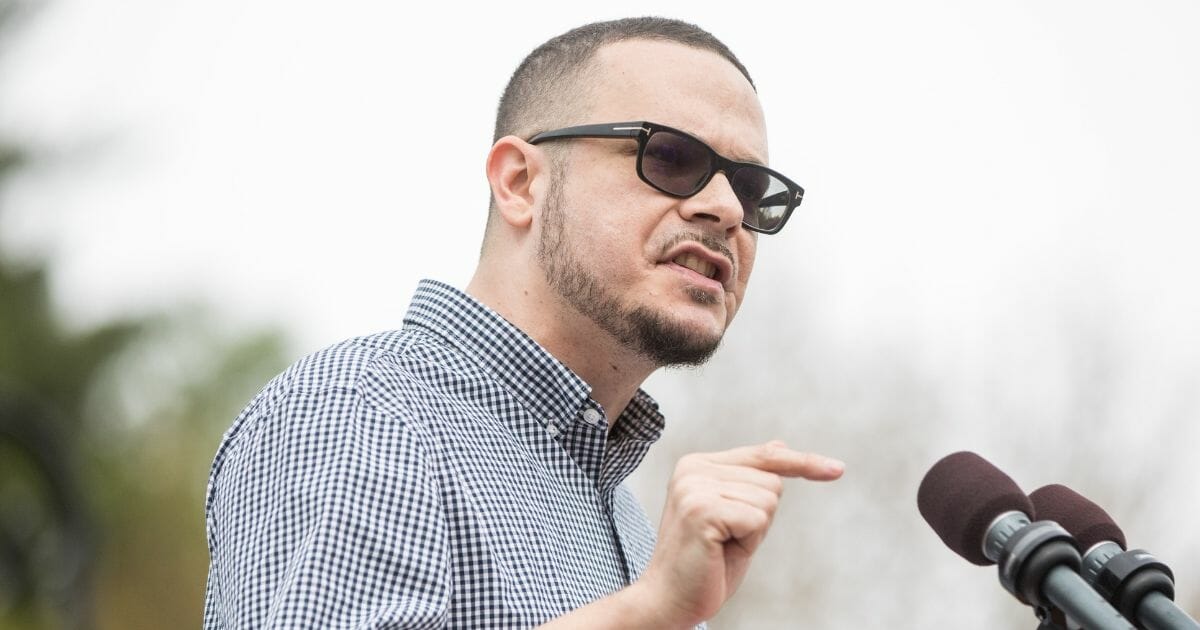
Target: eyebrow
(736, 156)
(748, 160)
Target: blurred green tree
(106, 434)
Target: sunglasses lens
(677, 164)
(764, 197)
(681, 165)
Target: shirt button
(552, 430)
(591, 416)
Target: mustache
(708, 241)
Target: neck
(613, 371)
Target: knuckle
(678, 486)
(766, 451)
(761, 520)
(772, 454)
(685, 490)
(687, 463)
(693, 507)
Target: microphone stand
(1051, 618)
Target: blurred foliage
(106, 435)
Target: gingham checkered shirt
(448, 474)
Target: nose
(715, 205)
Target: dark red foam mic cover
(961, 495)
(1086, 521)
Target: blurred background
(997, 252)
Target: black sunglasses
(681, 165)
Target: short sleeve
(323, 511)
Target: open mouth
(697, 264)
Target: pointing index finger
(775, 457)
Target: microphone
(1135, 582)
(983, 516)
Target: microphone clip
(1029, 556)
(1131, 575)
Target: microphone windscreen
(1084, 520)
(961, 495)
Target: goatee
(650, 333)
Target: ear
(513, 171)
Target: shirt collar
(544, 385)
(549, 390)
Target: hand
(719, 508)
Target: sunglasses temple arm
(620, 130)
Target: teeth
(697, 264)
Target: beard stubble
(645, 330)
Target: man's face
(665, 276)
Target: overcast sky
(983, 180)
(304, 165)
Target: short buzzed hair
(547, 87)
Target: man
(466, 470)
